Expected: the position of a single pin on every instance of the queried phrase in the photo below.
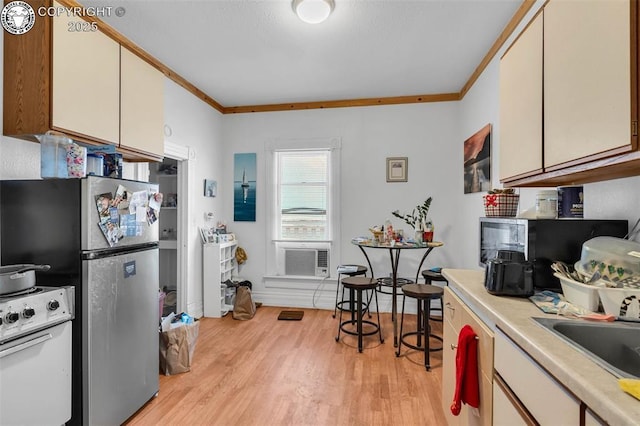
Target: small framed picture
(397, 169)
(208, 235)
(210, 188)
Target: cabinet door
(546, 399)
(587, 79)
(450, 340)
(591, 419)
(142, 105)
(86, 81)
(507, 411)
(521, 104)
(456, 315)
(485, 369)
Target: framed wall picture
(210, 188)
(397, 169)
(477, 161)
(244, 187)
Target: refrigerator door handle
(117, 251)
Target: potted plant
(418, 218)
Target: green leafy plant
(418, 216)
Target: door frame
(183, 154)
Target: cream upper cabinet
(569, 96)
(86, 82)
(521, 104)
(142, 105)
(65, 75)
(587, 79)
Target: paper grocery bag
(176, 348)
(243, 308)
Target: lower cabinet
(507, 410)
(457, 315)
(592, 419)
(525, 393)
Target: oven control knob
(28, 312)
(11, 317)
(53, 305)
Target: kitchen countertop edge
(589, 382)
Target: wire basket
(501, 205)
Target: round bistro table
(394, 255)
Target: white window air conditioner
(311, 262)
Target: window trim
(334, 144)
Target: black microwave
(543, 241)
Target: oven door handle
(26, 345)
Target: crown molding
(346, 103)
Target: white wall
(19, 159)
(426, 133)
(198, 126)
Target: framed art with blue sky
(244, 187)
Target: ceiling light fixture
(313, 11)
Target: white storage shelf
(219, 265)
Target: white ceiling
(254, 52)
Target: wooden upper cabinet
(521, 104)
(589, 94)
(27, 67)
(142, 105)
(587, 80)
(63, 75)
(85, 82)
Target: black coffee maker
(509, 274)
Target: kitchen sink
(614, 346)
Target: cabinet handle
(448, 305)
(454, 346)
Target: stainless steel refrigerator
(114, 269)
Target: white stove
(31, 310)
(35, 355)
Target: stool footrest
(340, 306)
(354, 322)
(416, 347)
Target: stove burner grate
(27, 292)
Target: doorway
(173, 176)
(166, 175)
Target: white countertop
(589, 382)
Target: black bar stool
(430, 276)
(423, 295)
(360, 270)
(357, 286)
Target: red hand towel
(467, 387)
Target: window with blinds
(303, 194)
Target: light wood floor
(269, 372)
